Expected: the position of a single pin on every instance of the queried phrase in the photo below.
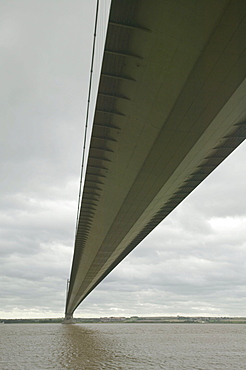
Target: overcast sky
(192, 264)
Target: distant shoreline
(135, 320)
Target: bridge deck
(170, 108)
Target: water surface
(122, 346)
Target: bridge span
(171, 106)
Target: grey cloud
(192, 263)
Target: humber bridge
(171, 106)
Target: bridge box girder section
(170, 107)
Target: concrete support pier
(68, 319)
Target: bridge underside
(171, 107)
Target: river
(122, 346)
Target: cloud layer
(193, 263)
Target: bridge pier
(68, 319)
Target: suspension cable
(87, 116)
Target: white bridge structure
(171, 106)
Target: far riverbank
(134, 319)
